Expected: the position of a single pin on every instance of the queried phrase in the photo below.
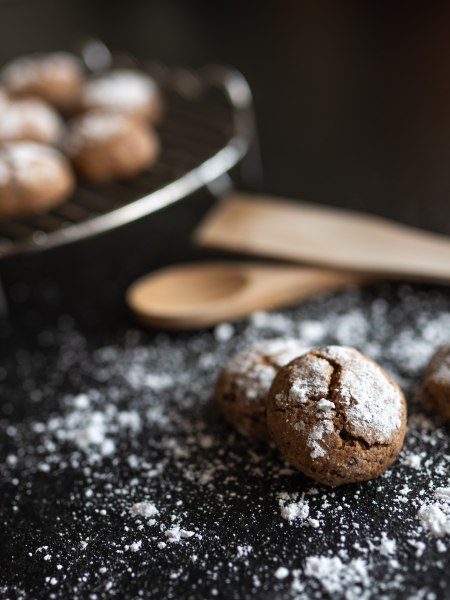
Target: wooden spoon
(195, 295)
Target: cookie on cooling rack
(30, 119)
(105, 146)
(336, 415)
(243, 384)
(3, 99)
(436, 388)
(33, 178)
(123, 90)
(55, 77)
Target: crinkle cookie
(4, 100)
(105, 146)
(123, 90)
(33, 178)
(55, 77)
(243, 384)
(32, 120)
(336, 415)
(436, 388)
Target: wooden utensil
(194, 295)
(325, 236)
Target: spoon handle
(326, 236)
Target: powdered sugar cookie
(243, 384)
(105, 146)
(127, 91)
(4, 100)
(55, 77)
(336, 415)
(32, 120)
(436, 388)
(33, 178)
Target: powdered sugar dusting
(93, 127)
(181, 500)
(256, 367)
(324, 425)
(27, 70)
(314, 382)
(30, 119)
(435, 516)
(336, 577)
(372, 403)
(25, 161)
(119, 90)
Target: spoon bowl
(195, 295)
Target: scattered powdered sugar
(281, 573)
(144, 509)
(435, 517)
(292, 510)
(176, 534)
(350, 580)
(117, 470)
(224, 332)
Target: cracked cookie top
(336, 415)
(341, 380)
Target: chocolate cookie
(55, 77)
(105, 146)
(33, 178)
(243, 384)
(128, 91)
(436, 388)
(4, 100)
(336, 415)
(32, 120)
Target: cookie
(4, 100)
(436, 388)
(105, 146)
(33, 178)
(32, 120)
(336, 415)
(243, 384)
(128, 91)
(55, 77)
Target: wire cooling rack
(205, 131)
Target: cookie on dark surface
(33, 178)
(105, 146)
(243, 384)
(436, 388)
(55, 77)
(336, 415)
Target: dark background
(352, 102)
(352, 98)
